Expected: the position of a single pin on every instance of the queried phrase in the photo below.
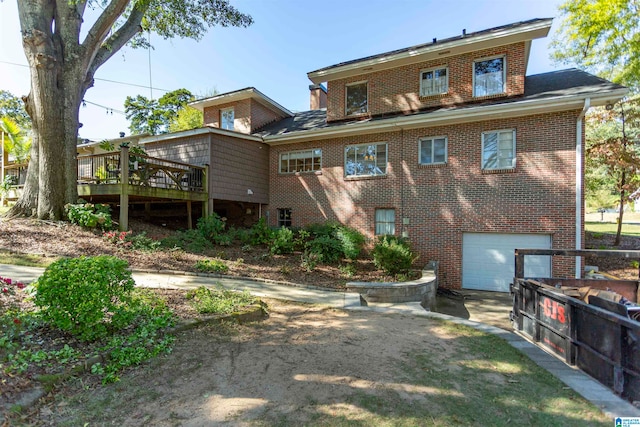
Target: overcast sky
(288, 39)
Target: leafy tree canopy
(155, 116)
(13, 108)
(602, 36)
(187, 118)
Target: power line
(97, 78)
(109, 109)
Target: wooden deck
(149, 179)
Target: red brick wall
(249, 115)
(443, 202)
(398, 89)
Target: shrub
(211, 227)
(128, 240)
(393, 255)
(190, 240)
(86, 296)
(89, 215)
(352, 241)
(261, 234)
(209, 265)
(309, 261)
(328, 249)
(283, 242)
(326, 229)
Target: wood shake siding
(193, 150)
(237, 166)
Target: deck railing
(142, 170)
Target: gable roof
(240, 95)
(523, 31)
(554, 91)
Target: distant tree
(602, 36)
(186, 119)
(64, 47)
(155, 117)
(13, 107)
(612, 151)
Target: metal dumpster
(603, 343)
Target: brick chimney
(318, 97)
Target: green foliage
(328, 249)
(348, 270)
(87, 296)
(187, 118)
(212, 265)
(601, 35)
(352, 241)
(260, 233)
(190, 240)
(219, 301)
(129, 240)
(16, 141)
(309, 261)
(212, 228)
(90, 215)
(13, 108)
(154, 117)
(393, 255)
(327, 228)
(283, 241)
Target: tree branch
(103, 24)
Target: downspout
(579, 182)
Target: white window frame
(226, 125)
(346, 98)
(431, 140)
(385, 226)
(501, 162)
(430, 91)
(504, 75)
(314, 157)
(372, 164)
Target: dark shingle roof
(570, 82)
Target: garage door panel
(488, 259)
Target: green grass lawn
(612, 228)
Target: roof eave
(249, 93)
(471, 43)
(463, 115)
(195, 132)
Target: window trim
(311, 150)
(346, 107)
(426, 70)
(233, 124)
(384, 173)
(432, 139)
(513, 147)
(282, 222)
(504, 74)
(391, 224)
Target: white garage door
(488, 259)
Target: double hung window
(385, 222)
(434, 82)
(433, 150)
(499, 149)
(356, 98)
(489, 76)
(227, 118)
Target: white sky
(288, 39)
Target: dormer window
(227, 117)
(356, 98)
(434, 81)
(489, 76)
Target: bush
(393, 255)
(283, 242)
(89, 215)
(190, 240)
(87, 296)
(328, 249)
(207, 301)
(261, 234)
(325, 229)
(209, 265)
(128, 240)
(211, 227)
(352, 241)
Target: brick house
(448, 144)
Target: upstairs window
(499, 149)
(385, 222)
(489, 76)
(434, 82)
(227, 117)
(301, 161)
(365, 160)
(356, 98)
(433, 150)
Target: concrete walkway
(602, 397)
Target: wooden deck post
(207, 207)
(189, 220)
(124, 187)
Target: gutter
(579, 182)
